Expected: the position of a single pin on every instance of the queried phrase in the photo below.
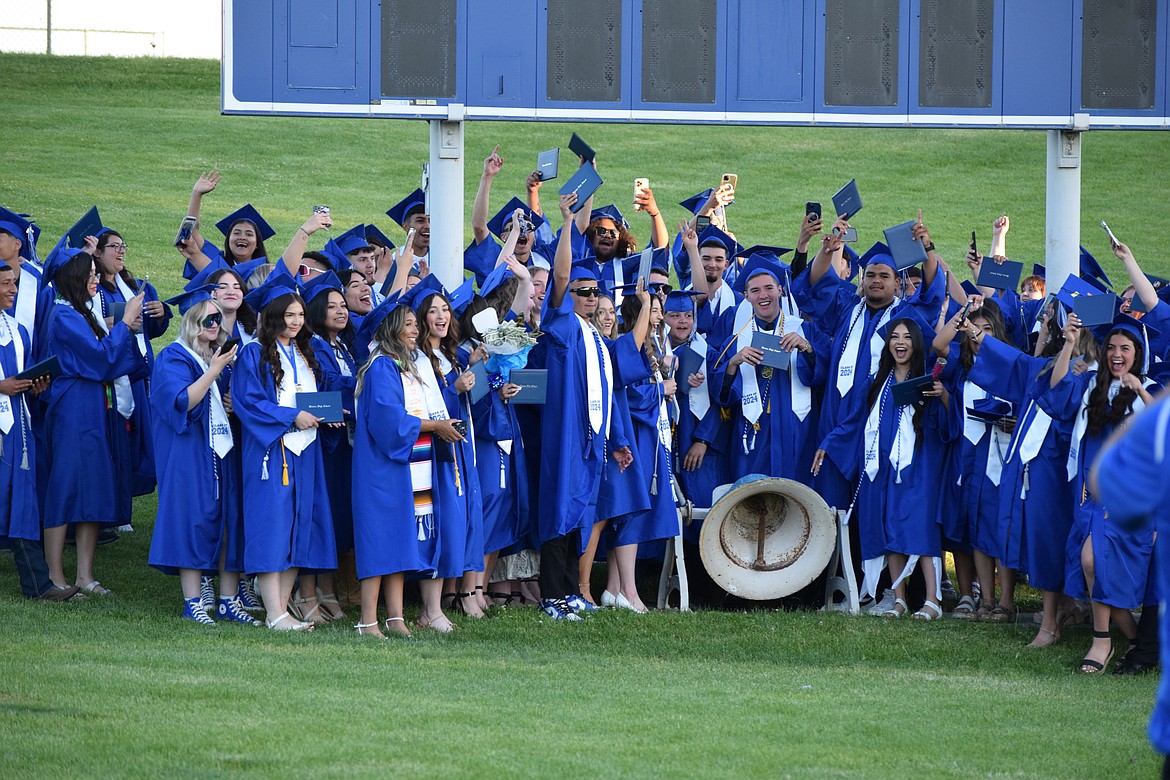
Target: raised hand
(493, 163)
(206, 183)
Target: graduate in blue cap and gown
(852, 323)
(499, 445)
(1105, 562)
(21, 517)
(639, 371)
(458, 506)
(410, 213)
(18, 250)
(199, 527)
(395, 473)
(701, 441)
(770, 408)
(573, 441)
(975, 463)
(895, 450)
(1035, 503)
(328, 318)
(480, 256)
(717, 252)
(1129, 476)
(244, 232)
(118, 285)
(287, 520)
(85, 483)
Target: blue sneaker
(247, 596)
(193, 610)
(578, 604)
(231, 609)
(207, 593)
(558, 609)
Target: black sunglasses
(587, 292)
(211, 319)
(659, 288)
(603, 232)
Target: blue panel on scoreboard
(1031, 60)
(248, 58)
(326, 52)
(770, 56)
(501, 53)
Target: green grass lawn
(123, 687)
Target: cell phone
(812, 209)
(185, 228)
(321, 210)
(228, 346)
(849, 235)
(733, 180)
(702, 223)
(460, 427)
(409, 239)
(966, 309)
(973, 249)
(1112, 238)
(640, 184)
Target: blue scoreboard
(952, 63)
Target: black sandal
(1096, 667)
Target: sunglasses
(306, 270)
(660, 288)
(587, 292)
(211, 319)
(603, 232)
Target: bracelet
(302, 230)
(930, 247)
(652, 216)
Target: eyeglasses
(308, 270)
(94, 277)
(211, 319)
(587, 292)
(116, 247)
(603, 232)
(660, 288)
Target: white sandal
(894, 612)
(296, 626)
(922, 614)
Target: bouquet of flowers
(507, 345)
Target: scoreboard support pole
(1062, 201)
(444, 190)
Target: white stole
(847, 366)
(1081, 425)
(597, 361)
(974, 430)
(10, 334)
(27, 291)
(698, 398)
(722, 300)
(902, 448)
(127, 294)
(219, 429)
(286, 395)
(752, 404)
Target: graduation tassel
(284, 465)
(458, 487)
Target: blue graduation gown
(86, 480)
(898, 515)
(622, 492)
(698, 485)
(572, 455)
(336, 451)
(458, 503)
(141, 442)
(830, 304)
(385, 531)
(970, 515)
(285, 526)
(780, 446)
(481, 258)
(503, 476)
(1132, 479)
(657, 518)
(20, 516)
(1035, 506)
(1121, 553)
(198, 492)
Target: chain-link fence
(125, 28)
